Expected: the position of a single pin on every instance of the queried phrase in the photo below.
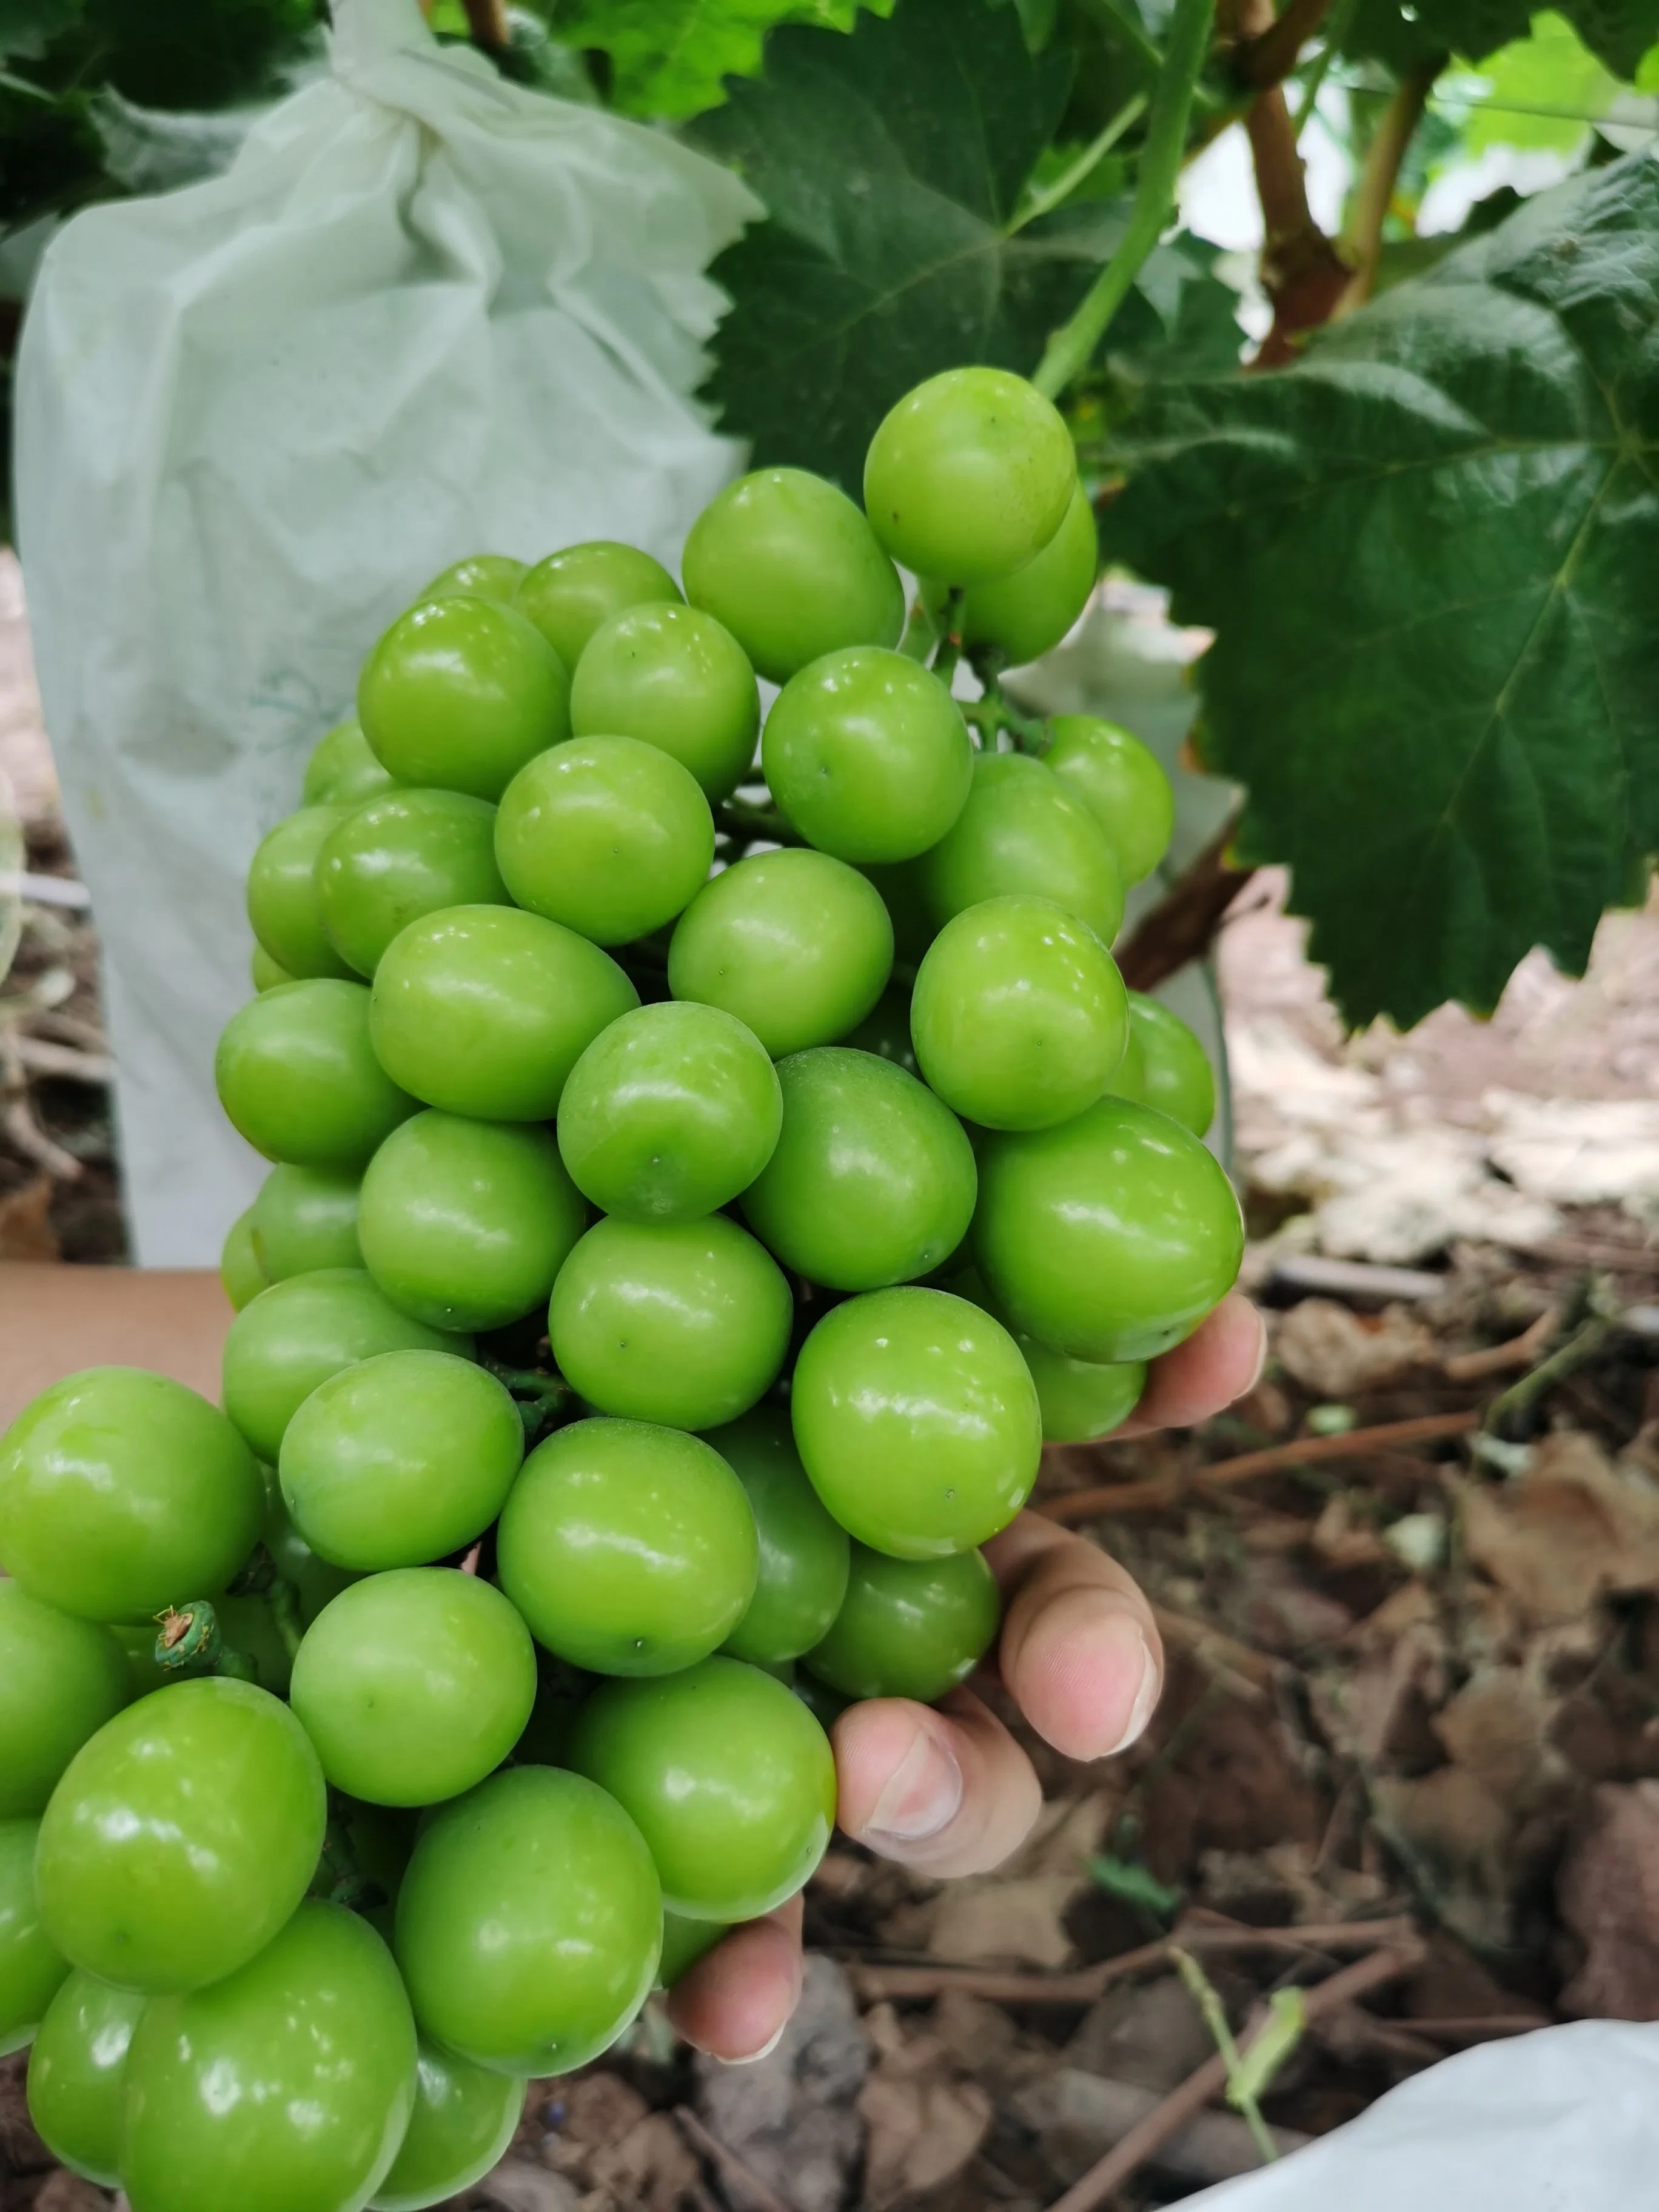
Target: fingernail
(922, 1794)
(754, 2057)
(1261, 1367)
(1141, 1712)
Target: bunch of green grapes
(699, 1189)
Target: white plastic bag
(1565, 2120)
(424, 313)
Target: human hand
(945, 1787)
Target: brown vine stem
(1374, 193)
(487, 20)
(1301, 272)
(1182, 925)
(1269, 57)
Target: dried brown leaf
(924, 2122)
(26, 1230)
(1496, 1727)
(1608, 1894)
(1338, 1354)
(1563, 1533)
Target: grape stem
(992, 712)
(949, 650)
(742, 819)
(539, 1397)
(190, 1643)
(1072, 345)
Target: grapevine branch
(1182, 927)
(1301, 272)
(1374, 193)
(1071, 347)
(1266, 57)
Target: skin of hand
(945, 1787)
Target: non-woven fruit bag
(425, 313)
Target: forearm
(55, 1320)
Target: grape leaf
(27, 27)
(1618, 32)
(1430, 553)
(668, 57)
(891, 163)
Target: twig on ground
(1183, 923)
(1197, 1930)
(1586, 1343)
(17, 1119)
(40, 1057)
(734, 2168)
(1143, 2141)
(1301, 1451)
(1500, 1358)
(1479, 2027)
(1254, 1672)
(1355, 1279)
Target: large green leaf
(1430, 554)
(668, 57)
(1400, 33)
(892, 163)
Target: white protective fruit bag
(1560, 2121)
(424, 313)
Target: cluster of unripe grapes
(696, 1200)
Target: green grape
(909, 1628)
(484, 1011)
(342, 771)
(181, 1837)
(61, 1677)
(1082, 1400)
(669, 1113)
(917, 1420)
(1025, 615)
(1020, 1015)
(462, 2121)
(285, 2087)
(460, 693)
(1023, 832)
(1120, 782)
(240, 1270)
(1175, 1075)
(534, 1866)
(78, 2075)
(32, 1966)
(295, 1336)
(465, 1223)
(413, 1685)
(885, 1031)
(630, 1549)
(264, 973)
(405, 855)
(729, 1776)
(970, 476)
(803, 1553)
(480, 576)
(1110, 1237)
(1130, 1080)
(683, 1322)
(609, 835)
(399, 1459)
(796, 945)
(121, 1492)
(281, 894)
(297, 1078)
(867, 755)
(683, 1942)
(873, 1181)
(305, 1218)
(249, 1627)
(571, 594)
(673, 678)
(559, 1692)
(792, 570)
(312, 1581)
